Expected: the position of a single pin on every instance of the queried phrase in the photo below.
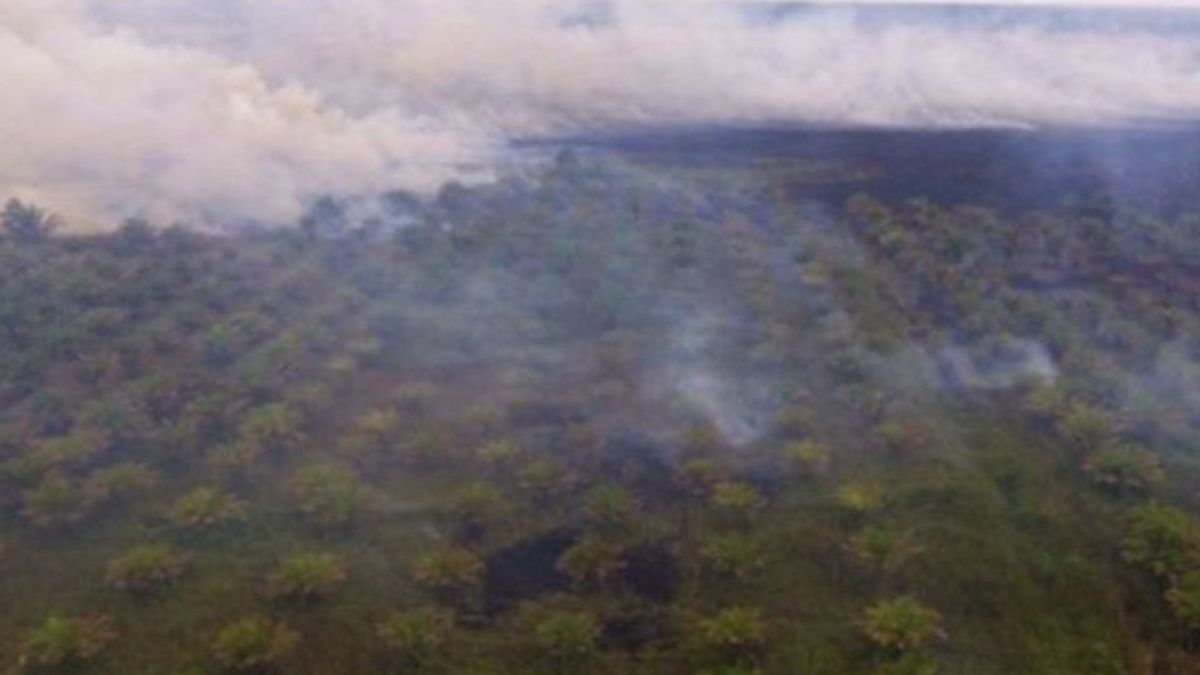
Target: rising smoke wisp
(246, 109)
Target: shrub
(737, 499)
(306, 577)
(120, 482)
(451, 570)
(900, 624)
(567, 637)
(1160, 539)
(610, 505)
(1184, 598)
(205, 508)
(377, 427)
(1124, 470)
(274, 427)
(253, 644)
(57, 500)
(735, 555)
(736, 632)
(71, 451)
(861, 496)
(415, 636)
(591, 561)
(885, 548)
(327, 494)
(1086, 427)
(498, 455)
(542, 478)
(807, 458)
(478, 504)
(61, 642)
(146, 569)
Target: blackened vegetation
(526, 570)
(1089, 172)
(771, 414)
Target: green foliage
(808, 457)
(66, 451)
(900, 624)
(1087, 427)
(609, 505)
(737, 555)
(591, 561)
(254, 644)
(479, 504)
(736, 499)
(567, 638)
(273, 427)
(373, 432)
(1160, 539)
(206, 508)
(1125, 470)
(306, 577)
(699, 475)
(498, 455)
(146, 569)
(736, 632)
(327, 494)
(520, 356)
(1184, 597)
(57, 500)
(120, 482)
(65, 642)
(449, 570)
(861, 496)
(415, 637)
(884, 548)
(542, 478)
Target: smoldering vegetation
(626, 411)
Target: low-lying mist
(235, 111)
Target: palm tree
(452, 572)
(567, 638)
(735, 555)
(737, 500)
(25, 222)
(900, 624)
(65, 643)
(307, 577)
(327, 494)
(610, 506)
(592, 561)
(146, 569)
(477, 506)
(254, 645)
(416, 637)
(736, 633)
(206, 508)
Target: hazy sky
(247, 109)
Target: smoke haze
(221, 110)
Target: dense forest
(603, 417)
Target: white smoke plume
(246, 109)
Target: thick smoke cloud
(214, 110)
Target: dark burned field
(1154, 168)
